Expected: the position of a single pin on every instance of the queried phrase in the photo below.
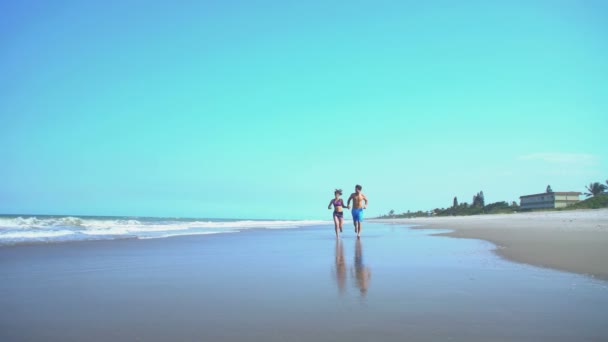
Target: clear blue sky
(236, 109)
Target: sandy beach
(299, 284)
(574, 241)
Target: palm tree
(595, 189)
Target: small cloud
(562, 158)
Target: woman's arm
(330, 202)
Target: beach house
(549, 200)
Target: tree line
(477, 206)
(597, 194)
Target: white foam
(184, 234)
(69, 228)
(35, 234)
(34, 222)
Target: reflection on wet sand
(340, 267)
(362, 273)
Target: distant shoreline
(498, 208)
(574, 241)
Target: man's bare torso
(357, 199)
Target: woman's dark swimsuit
(338, 203)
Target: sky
(260, 109)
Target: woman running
(338, 214)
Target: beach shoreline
(573, 241)
(393, 284)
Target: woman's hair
(338, 191)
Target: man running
(357, 197)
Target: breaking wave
(17, 230)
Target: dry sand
(574, 241)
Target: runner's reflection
(340, 267)
(362, 273)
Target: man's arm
(349, 199)
(365, 199)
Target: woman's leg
(336, 224)
(341, 223)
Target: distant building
(549, 200)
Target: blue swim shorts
(357, 214)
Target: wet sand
(394, 284)
(574, 241)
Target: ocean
(25, 229)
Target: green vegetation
(464, 209)
(408, 214)
(597, 192)
(479, 200)
(461, 209)
(595, 189)
(595, 202)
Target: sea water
(35, 229)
